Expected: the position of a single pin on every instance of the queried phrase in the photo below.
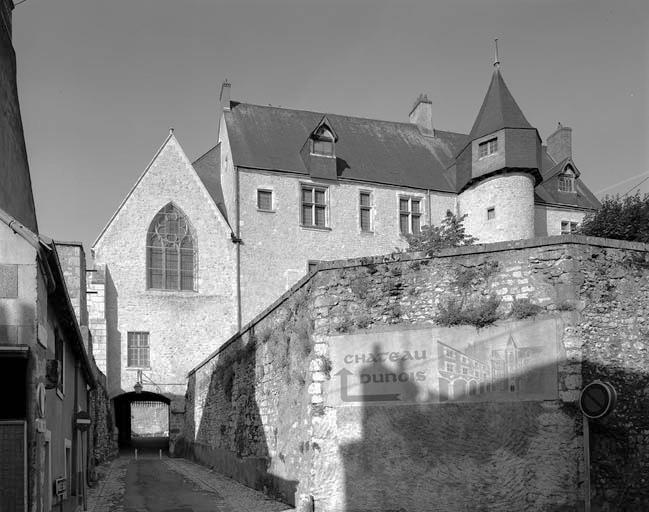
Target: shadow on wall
(462, 454)
(456, 450)
(230, 436)
(113, 337)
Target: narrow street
(173, 485)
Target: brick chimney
(225, 95)
(560, 143)
(422, 114)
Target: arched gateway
(143, 421)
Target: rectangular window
(567, 182)
(365, 201)
(450, 367)
(488, 147)
(323, 147)
(314, 206)
(138, 349)
(409, 215)
(568, 227)
(265, 200)
(59, 356)
(491, 213)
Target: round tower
(498, 169)
(499, 207)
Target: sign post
(82, 420)
(597, 399)
(61, 486)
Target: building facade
(220, 238)
(49, 379)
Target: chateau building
(197, 249)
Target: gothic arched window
(170, 251)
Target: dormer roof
(548, 191)
(499, 110)
(566, 163)
(324, 124)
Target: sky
(101, 82)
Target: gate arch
(148, 428)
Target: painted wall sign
(507, 362)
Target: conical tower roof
(499, 110)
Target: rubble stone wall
(258, 409)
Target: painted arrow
(346, 397)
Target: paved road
(152, 487)
(173, 485)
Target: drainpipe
(430, 213)
(75, 432)
(238, 243)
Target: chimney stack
(560, 143)
(225, 95)
(422, 114)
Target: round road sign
(597, 399)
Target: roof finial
(496, 59)
(171, 131)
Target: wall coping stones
(546, 241)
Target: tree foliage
(624, 218)
(431, 239)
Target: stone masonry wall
(208, 311)
(265, 279)
(258, 408)
(104, 438)
(97, 315)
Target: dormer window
(567, 180)
(488, 147)
(323, 142)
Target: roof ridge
(327, 113)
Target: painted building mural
(507, 362)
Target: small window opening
(488, 147)
(365, 201)
(568, 227)
(491, 213)
(567, 180)
(265, 200)
(323, 142)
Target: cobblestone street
(173, 485)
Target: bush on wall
(432, 239)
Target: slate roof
(208, 168)
(367, 149)
(499, 110)
(548, 191)
(387, 152)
